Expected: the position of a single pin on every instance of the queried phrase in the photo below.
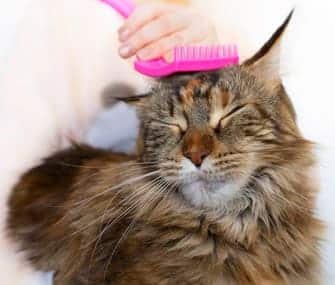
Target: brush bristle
(205, 53)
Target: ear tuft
(137, 101)
(266, 62)
(122, 92)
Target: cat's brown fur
(99, 218)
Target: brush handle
(124, 7)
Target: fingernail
(125, 50)
(123, 34)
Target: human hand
(154, 29)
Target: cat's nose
(197, 157)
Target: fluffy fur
(220, 191)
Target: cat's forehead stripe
(218, 100)
(194, 87)
(187, 92)
(198, 92)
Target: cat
(219, 192)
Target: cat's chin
(210, 194)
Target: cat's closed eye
(226, 117)
(178, 129)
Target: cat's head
(212, 133)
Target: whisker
(277, 195)
(123, 183)
(116, 219)
(122, 171)
(128, 171)
(118, 186)
(134, 196)
(127, 230)
(105, 167)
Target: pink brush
(186, 58)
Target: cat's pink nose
(197, 157)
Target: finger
(141, 16)
(153, 32)
(169, 54)
(164, 45)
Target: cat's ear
(266, 62)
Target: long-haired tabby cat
(220, 191)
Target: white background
(309, 63)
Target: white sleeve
(64, 53)
(63, 56)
